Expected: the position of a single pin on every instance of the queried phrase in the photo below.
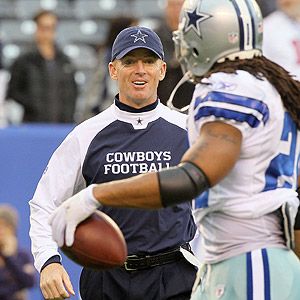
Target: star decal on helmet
(194, 18)
(139, 36)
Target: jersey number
(281, 171)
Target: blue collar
(130, 109)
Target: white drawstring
(202, 278)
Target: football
(98, 243)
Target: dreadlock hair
(261, 67)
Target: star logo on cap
(194, 18)
(139, 36)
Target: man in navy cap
(136, 134)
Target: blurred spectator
(267, 6)
(16, 269)
(282, 36)
(174, 72)
(101, 90)
(42, 80)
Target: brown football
(98, 243)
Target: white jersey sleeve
(222, 97)
(56, 184)
(61, 179)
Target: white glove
(70, 213)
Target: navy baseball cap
(136, 37)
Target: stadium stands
(26, 9)
(7, 9)
(82, 22)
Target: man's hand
(55, 282)
(68, 215)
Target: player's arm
(207, 162)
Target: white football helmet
(211, 31)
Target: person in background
(136, 134)
(42, 80)
(282, 36)
(17, 273)
(241, 167)
(174, 72)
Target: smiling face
(138, 74)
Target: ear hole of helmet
(195, 52)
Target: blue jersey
(118, 143)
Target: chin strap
(186, 77)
